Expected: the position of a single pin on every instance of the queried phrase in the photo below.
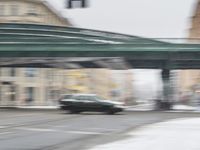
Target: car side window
(88, 98)
(67, 96)
(77, 97)
(85, 98)
(91, 98)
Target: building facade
(30, 11)
(189, 80)
(31, 86)
(43, 86)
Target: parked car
(76, 103)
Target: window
(32, 10)
(14, 10)
(12, 72)
(30, 94)
(86, 98)
(50, 75)
(67, 96)
(0, 93)
(2, 10)
(12, 93)
(30, 72)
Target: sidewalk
(31, 107)
(175, 108)
(141, 107)
(177, 134)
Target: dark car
(76, 103)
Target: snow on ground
(183, 107)
(178, 134)
(175, 108)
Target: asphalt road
(57, 130)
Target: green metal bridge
(29, 45)
(41, 41)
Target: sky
(146, 18)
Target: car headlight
(119, 106)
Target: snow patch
(178, 134)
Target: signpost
(76, 4)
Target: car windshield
(98, 98)
(88, 98)
(67, 96)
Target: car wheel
(111, 112)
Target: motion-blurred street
(57, 130)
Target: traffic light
(76, 4)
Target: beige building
(30, 11)
(189, 80)
(194, 31)
(39, 86)
(31, 86)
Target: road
(57, 130)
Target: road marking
(1, 127)
(60, 126)
(62, 131)
(5, 133)
(24, 115)
(36, 129)
(84, 132)
(103, 129)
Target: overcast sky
(149, 18)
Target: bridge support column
(165, 102)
